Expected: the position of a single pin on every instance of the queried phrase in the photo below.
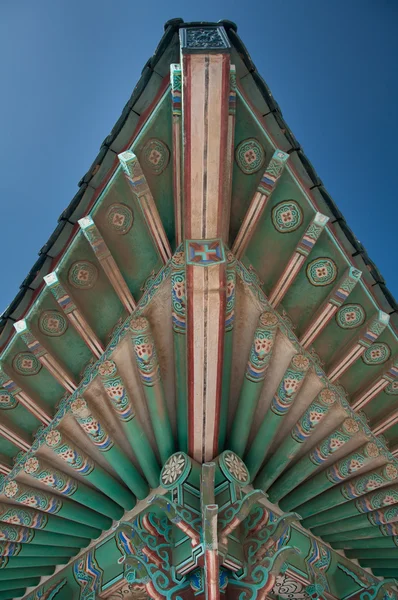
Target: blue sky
(69, 66)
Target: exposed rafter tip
(297, 260)
(108, 263)
(139, 185)
(47, 360)
(76, 318)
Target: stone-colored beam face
(206, 305)
(207, 164)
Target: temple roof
(201, 302)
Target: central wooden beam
(207, 164)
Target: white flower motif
(173, 468)
(11, 489)
(236, 467)
(31, 465)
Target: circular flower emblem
(156, 156)
(53, 438)
(372, 450)
(52, 323)
(120, 218)
(376, 354)
(31, 465)
(350, 426)
(26, 363)
(350, 316)
(327, 396)
(301, 362)
(172, 469)
(250, 156)
(236, 467)
(139, 324)
(83, 275)
(107, 368)
(268, 318)
(287, 216)
(11, 489)
(391, 471)
(79, 408)
(321, 271)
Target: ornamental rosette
(107, 368)
(173, 468)
(11, 489)
(139, 324)
(53, 438)
(236, 467)
(31, 465)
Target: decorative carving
(350, 316)
(287, 216)
(321, 271)
(155, 156)
(83, 275)
(119, 218)
(204, 39)
(204, 253)
(250, 156)
(376, 354)
(26, 363)
(52, 323)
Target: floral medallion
(376, 354)
(53, 438)
(139, 324)
(7, 401)
(371, 450)
(120, 218)
(350, 426)
(174, 469)
(107, 368)
(287, 216)
(83, 275)
(327, 396)
(31, 465)
(321, 271)
(392, 388)
(233, 467)
(11, 489)
(80, 409)
(301, 362)
(350, 316)
(250, 156)
(52, 323)
(26, 363)
(156, 156)
(268, 318)
(391, 471)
